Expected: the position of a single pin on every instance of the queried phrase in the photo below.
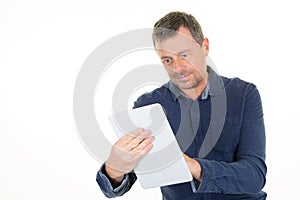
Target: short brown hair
(170, 23)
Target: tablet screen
(164, 163)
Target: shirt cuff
(195, 185)
(105, 178)
(106, 186)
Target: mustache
(182, 73)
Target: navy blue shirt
(223, 130)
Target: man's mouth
(184, 77)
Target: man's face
(184, 59)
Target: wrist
(194, 167)
(114, 175)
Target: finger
(129, 136)
(135, 132)
(137, 140)
(144, 151)
(142, 145)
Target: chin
(186, 86)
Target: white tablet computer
(164, 164)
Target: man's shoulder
(237, 84)
(156, 96)
(219, 83)
(239, 90)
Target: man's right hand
(126, 153)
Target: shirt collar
(215, 85)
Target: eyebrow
(163, 57)
(179, 53)
(184, 51)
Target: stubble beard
(191, 84)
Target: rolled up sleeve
(107, 188)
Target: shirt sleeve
(107, 188)
(247, 173)
(129, 179)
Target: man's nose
(179, 65)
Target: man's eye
(184, 55)
(167, 60)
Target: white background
(44, 43)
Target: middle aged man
(235, 168)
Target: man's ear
(205, 46)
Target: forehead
(182, 40)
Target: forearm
(241, 177)
(244, 170)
